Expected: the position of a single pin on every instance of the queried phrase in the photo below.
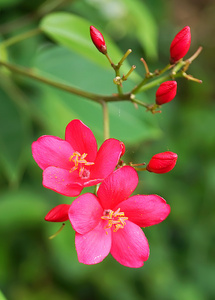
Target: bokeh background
(181, 264)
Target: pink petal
(94, 246)
(117, 187)
(85, 213)
(145, 210)
(90, 182)
(130, 246)
(58, 214)
(62, 181)
(52, 151)
(81, 139)
(107, 158)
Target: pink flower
(110, 223)
(162, 162)
(166, 92)
(180, 45)
(70, 165)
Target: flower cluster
(110, 220)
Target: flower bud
(180, 45)
(162, 162)
(166, 92)
(98, 39)
(58, 214)
(123, 148)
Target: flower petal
(94, 246)
(85, 213)
(62, 181)
(107, 158)
(52, 151)
(145, 210)
(117, 187)
(58, 214)
(130, 246)
(81, 139)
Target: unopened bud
(98, 39)
(58, 214)
(180, 45)
(166, 92)
(123, 148)
(162, 162)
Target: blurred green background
(181, 264)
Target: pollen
(115, 218)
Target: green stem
(119, 87)
(140, 103)
(169, 66)
(95, 97)
(20, 37)
(106, 120)
(56, 233)
(137, 88)
(141, 85)
(159, 81)
(123, 58)
(154, 83)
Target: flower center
(80, 161)
(115, 218)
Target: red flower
(166, 92)
(180, 45)
(110, 223)
(162, 162)
(98, 39)
(70, 165)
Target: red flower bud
(123, 148)
(162, 162)
(166, 92)
(98, 39)
(58, 214)
(180, 45)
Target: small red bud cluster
(178, 49)
(162, 162)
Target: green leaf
(6, 3)
(2, 297)
(14, 137)
(73, 32)
(145, 25)
(23, 208)
(128, 124)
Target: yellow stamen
(78, 159)
(116, 219)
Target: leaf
(2, 297)
(145, 25)
(127, 123)
(73, 32)
(6, 3)
(22, 208)
(14, 137)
